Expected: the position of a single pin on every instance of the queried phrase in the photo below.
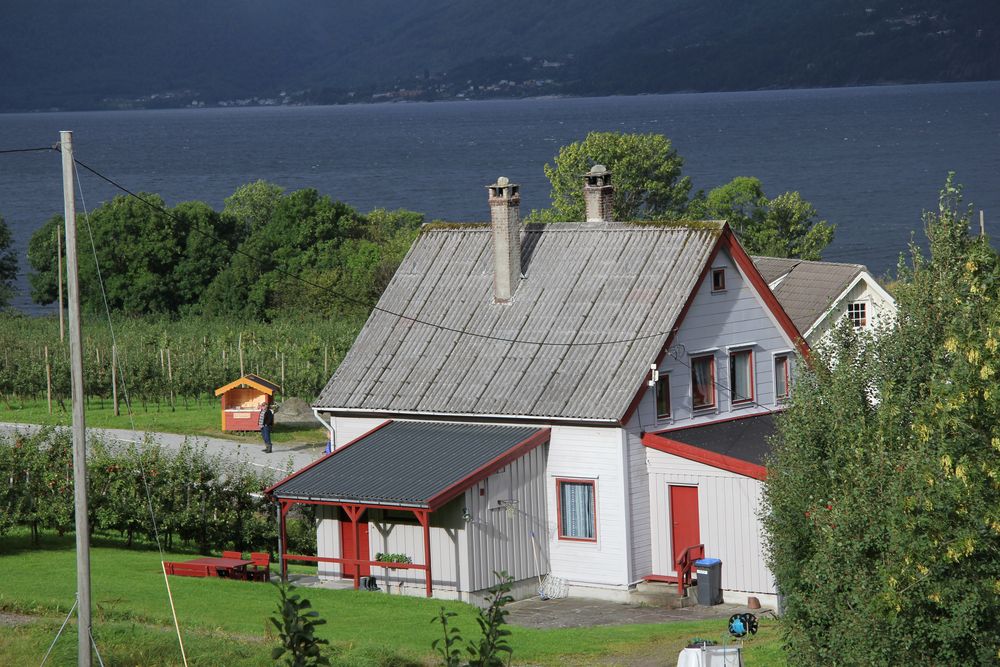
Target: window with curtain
(577, 516)
(703, 382)
(741, 376)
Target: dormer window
(718, 280)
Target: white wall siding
(716, 322)
(498, 542)
(729, 525)
(449, 561)
(638, 494)
(328, 539)
(351, 428)
(590, 453)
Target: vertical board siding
(328, 539)
(407, 537)
(717, 320)
(590, 453)
(728, 516)
(498, 542)
(642, 546)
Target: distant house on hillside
(587, 400)
(817, 295)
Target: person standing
(266, 422)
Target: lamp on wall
(466, 517)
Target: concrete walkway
(584, 613)
(284, 456)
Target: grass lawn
(225, 622)
(192, 419)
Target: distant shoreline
(496, 98)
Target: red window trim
(732, 390)
(721, 271)
(788, 385)
(575, 480)
(665, 380)
(715, 399)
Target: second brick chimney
(598, 194)
(505, 214)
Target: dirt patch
(10, 620)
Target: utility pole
(79, 432)
(62, 326)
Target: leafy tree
(253, 205)
(785, 226)
(43, 275)
(297, 627)
(884, 505)
(8, 264)
(646, 173)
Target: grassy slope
(224, 621)
(194, 419)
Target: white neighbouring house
(817, 295)
(586, 400)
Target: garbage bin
(709, 571)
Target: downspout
(328, 425)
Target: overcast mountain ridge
(62, 54)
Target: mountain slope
(69, 54)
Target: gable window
(663, 397)
(718, 280)
(741, 377)
(782, 377)
(857, 312)
(577, 509)
(703, 382)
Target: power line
(350, 299)
(8, 151)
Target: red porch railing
(686, 564)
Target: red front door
(684, 531)
(347, 546)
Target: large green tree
(786, 226)
(8, 264)
(645, 170)
(883, 494)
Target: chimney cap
(502, 182)
(597, 170)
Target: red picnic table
(210, 567)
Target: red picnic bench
(232, 565)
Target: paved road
(284, 456)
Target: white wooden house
(818, 295)
(587, 400)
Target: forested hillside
(118, 54)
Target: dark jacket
(267, 417)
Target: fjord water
(869, 159)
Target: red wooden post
(285, 506)
(424, 517)
(354, 513)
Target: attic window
(718, 280)
(858, 314)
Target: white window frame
(868, 312)
(731, 351)
(664, 378)
(778, 400)
(705, 409)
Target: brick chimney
(505, 212)
(598, 194)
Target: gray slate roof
(808, 288)
(745, 439)
(583, 283)
(405, 463)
